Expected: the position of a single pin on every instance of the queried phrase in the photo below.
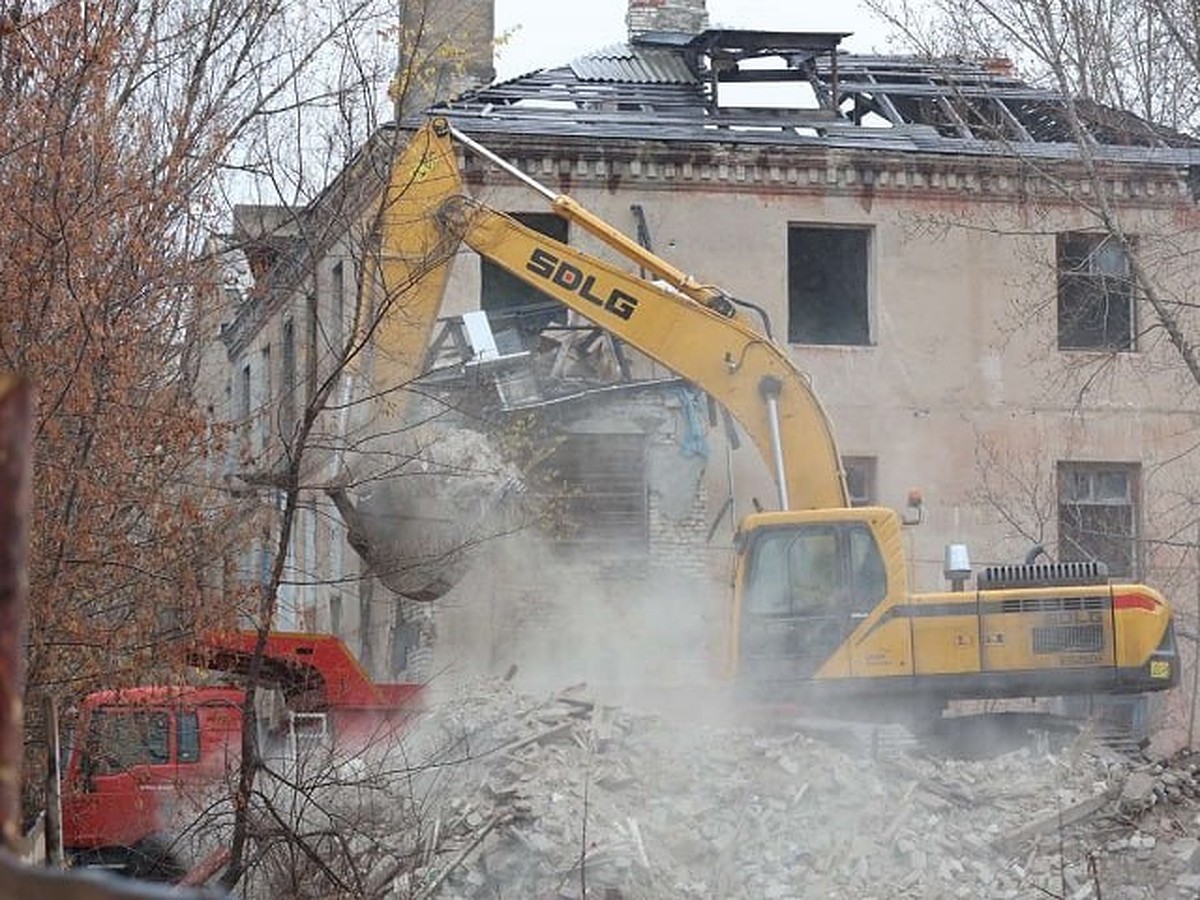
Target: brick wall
(688, 16)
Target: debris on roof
(671, 87)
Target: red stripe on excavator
(1134, 601)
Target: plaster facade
(962, 390)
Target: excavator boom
(408, 276)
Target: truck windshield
(120, 739)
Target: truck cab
(150, 769)
(142, 763)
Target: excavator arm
(407, 276)
(684, 327)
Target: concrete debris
(1139, 793)
(564, 797)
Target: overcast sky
(547, 33)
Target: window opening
(1097, 515)
(1095, 294)
(827, 285)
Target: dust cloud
(599, 756)
(634, 633)
(560, 794)
(583, 745)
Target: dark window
(187, 736)
(243, 410)
(1097, 515)
(267, 387)
(287, 399)
(406, 639)
(512, 303)
(337, 314)
(264, 565)
(860, 479)
(335, 614)
(1095, 294)
(827, 285)
(594, 486)
(264, 412)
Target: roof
(165, 695)
(622, 64)
(678, 88)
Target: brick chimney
(999, 65)
(445, 47)
(686, 16)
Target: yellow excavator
(821, 602)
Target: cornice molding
(834, 171)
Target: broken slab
(1049, 824)
(1137, 794)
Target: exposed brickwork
(680, 544)
(687, 16)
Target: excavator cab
(807, 581)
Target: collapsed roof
(796, 88)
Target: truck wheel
(152, 860)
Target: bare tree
(125, 129)
(117, 120)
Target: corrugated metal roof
(633, 65)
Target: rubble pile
(566, 796)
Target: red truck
(147, 762)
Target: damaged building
(916, 232)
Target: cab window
(814, 570)
(793, 571)
(121, 739)
(867, 573)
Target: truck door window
(119, 740)
(187, 736)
